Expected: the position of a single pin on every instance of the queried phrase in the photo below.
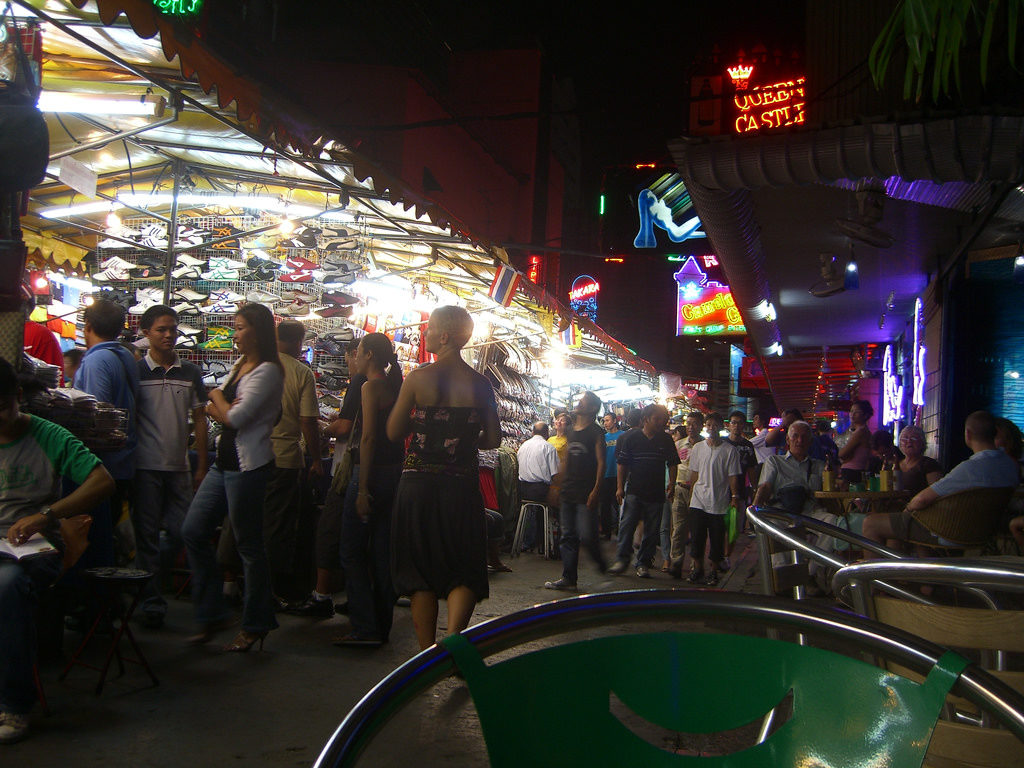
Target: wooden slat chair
(968, 519)
(988, 633)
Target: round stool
(111, 583)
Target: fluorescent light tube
(145, 105)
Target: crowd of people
(404, 516)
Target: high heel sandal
(244, 641)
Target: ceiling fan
(833, 279)
(870, 204)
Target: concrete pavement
(278, 707)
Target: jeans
(366, 553)
(633, 511)
(161, 501)
(579, 525)
(704, 525)
(21, 581)
(239, 495)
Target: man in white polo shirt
(169, 389)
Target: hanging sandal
(244, 641)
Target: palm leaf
(986, 36)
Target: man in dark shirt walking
(643, 455)
(582, 471)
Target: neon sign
(704, 307)
(583, 296)
(533, 269)
(920, 352)
(657, 206)
(770, 106)
(740, 75)
(178, 7)
(892, 390)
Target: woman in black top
(366, 516)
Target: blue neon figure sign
(658, 205)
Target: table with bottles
(840, 502)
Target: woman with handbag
(247, 406)
(366, 514)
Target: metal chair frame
(546, 620)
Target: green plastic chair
(552, 706)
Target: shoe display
(296, 309)
(153, 236)
(188, 330)
(186, 342)
(617, 567)
(335, 312)
(142, 306)
(298, 276)
(643, 572)
(342, 244)
(328, 346)
(300, 264)
(222, 262)
(561, 584)
(339, 278)
(12, 727)
(217, 342)
(321, 609)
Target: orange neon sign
(770, 106)
(585, 290)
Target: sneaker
(187, 294)
(300, 264)
(643, 572)
(298, 276)
(116, 262)
(561, 584)
(221, 275)
(320, 609)
(724, 565)
(186, 272)
(296, 309)
(339, 278)
(111, 275)
(618, 567)
(217, 342)
(12, 727)
(335, 312)
(222, 262)
(262, 297)
(711, 579)
(696, 574)
(149, 294)
(142, 306)
(184, 260)
(342, 244)
(154, 236)
(219, 308)
(184, 307)
(146, 273)
(225, 295)
(298, 295)
(188, 330)
(186, 342)
(341, 299)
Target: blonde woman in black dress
(439, 530)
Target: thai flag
(506, 281)
(571, 336)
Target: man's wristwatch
(48, 514)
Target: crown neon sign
(740, 75)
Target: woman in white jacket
(248, 406)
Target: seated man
(36, 455)
(789, 481)
(538, 465)
(987, 467)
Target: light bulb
(113, 221)
(286, 227)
